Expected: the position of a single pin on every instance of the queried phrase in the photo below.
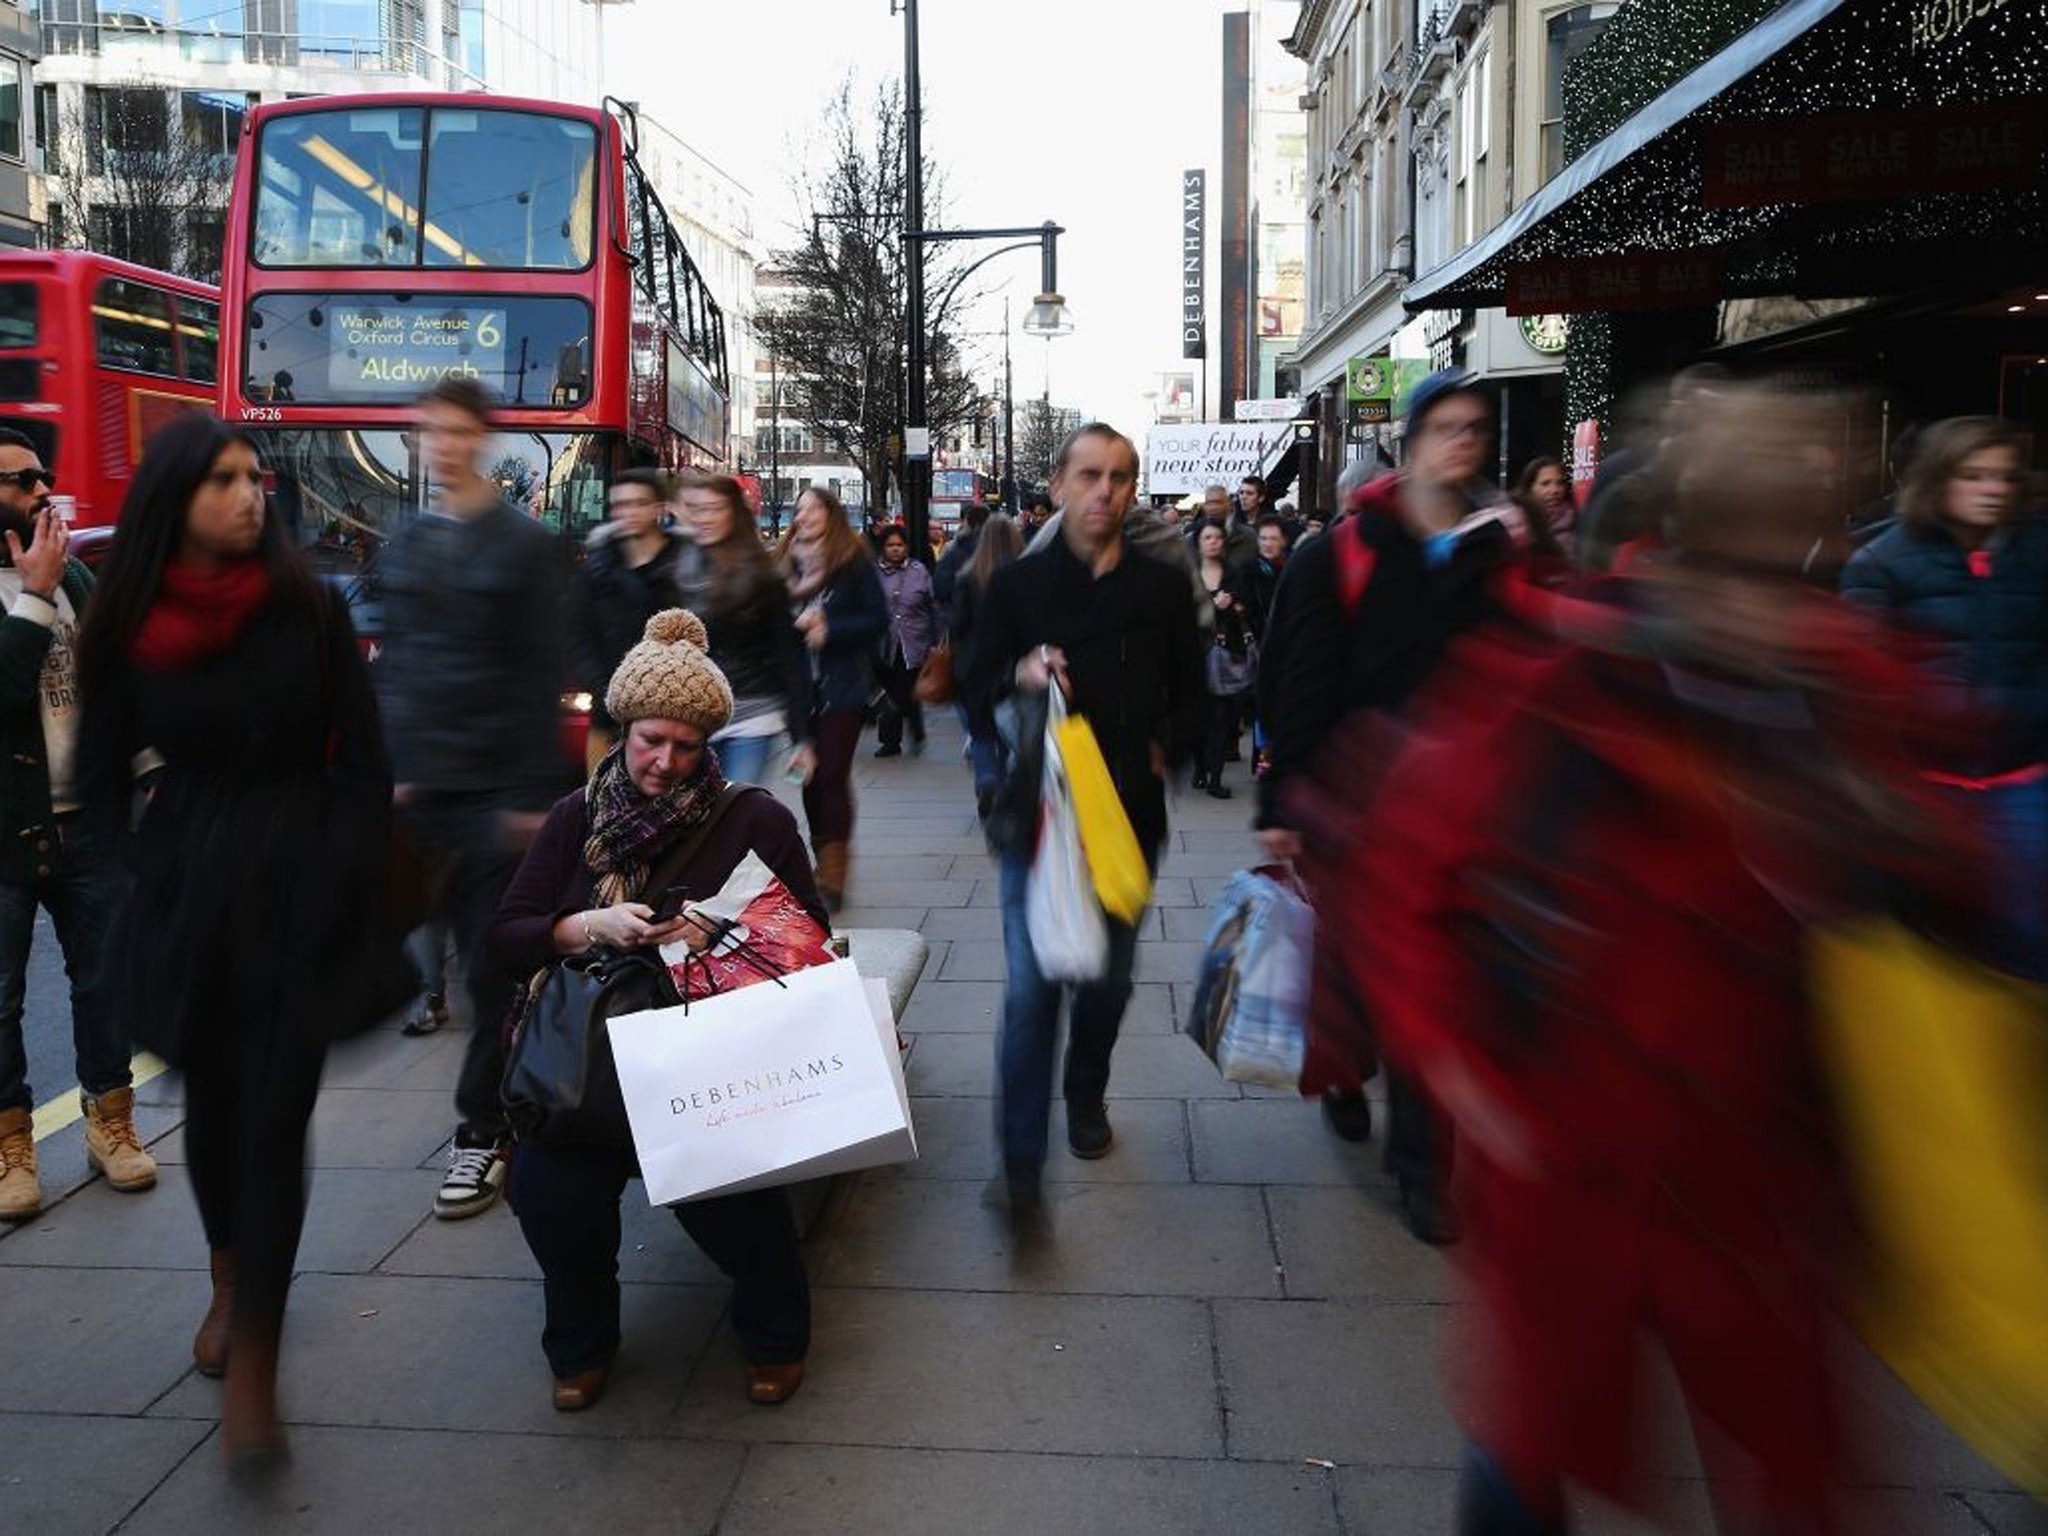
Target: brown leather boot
(21, 1196)
(210, 1344)
(833, 868)
(250, 1433)
(111, 1144)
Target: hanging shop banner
(1846, 157)
(1577, 285)
(1194, 215)
(1585, 461)
(1267, 410)
(1182, 461)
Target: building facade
(1279, 191)
(139, 103)
(785, 453)
(1429, 123)
(22, 207)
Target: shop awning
(1653, 210)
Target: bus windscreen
(410, 187)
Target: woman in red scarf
(229, 745)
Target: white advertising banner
(1182, 461)
(1267, 410)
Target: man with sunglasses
(47, 859)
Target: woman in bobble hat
(589, 881)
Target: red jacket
(1577, 915)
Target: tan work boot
(111, 1145)
(21, 1196)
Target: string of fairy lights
(1870, 55)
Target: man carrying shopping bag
(1115, 631)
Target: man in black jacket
(629, 575)
(1361, 619)
(470, 682)
(1115, 631)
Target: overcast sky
(1080, 111)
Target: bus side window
(199, 340)
(132, 327)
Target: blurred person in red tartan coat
(1578, 917)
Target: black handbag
(561, 1087)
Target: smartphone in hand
(669, 905)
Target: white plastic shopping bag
(1063, 915)
(1250, 1011)
(772, 1084)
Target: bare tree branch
(130, 175)
(839, 331)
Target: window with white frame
(1566, 35)
(14, 108)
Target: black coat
(952, 565)
(257, 861)
(1991, 631)
(754, 639)
(473, 659)
(1321, 662)
(614, 600)
(29, 845)
(856, 618)
(1134, 656)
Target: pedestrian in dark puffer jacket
(1967, 565)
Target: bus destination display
(374, 349)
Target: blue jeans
(83, 897)
(744, 759)
(1031, 1027)
(2013, 819)
(984, 754)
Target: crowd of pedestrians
(1568, 791)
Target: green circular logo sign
(1546, 333)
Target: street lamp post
(1048, 315)
(917, 446)
(1009, 485)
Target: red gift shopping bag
(758, 930)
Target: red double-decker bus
(95, 355)
(379, 243)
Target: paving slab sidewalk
(1227, 1332)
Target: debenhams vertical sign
(1193, 241)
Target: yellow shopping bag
(1940, 1070)
(1116, 864)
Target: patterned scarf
(629, 831)
(807, 570)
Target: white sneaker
(475, 1179)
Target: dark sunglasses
(28, 479)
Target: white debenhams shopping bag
(771, 1084)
